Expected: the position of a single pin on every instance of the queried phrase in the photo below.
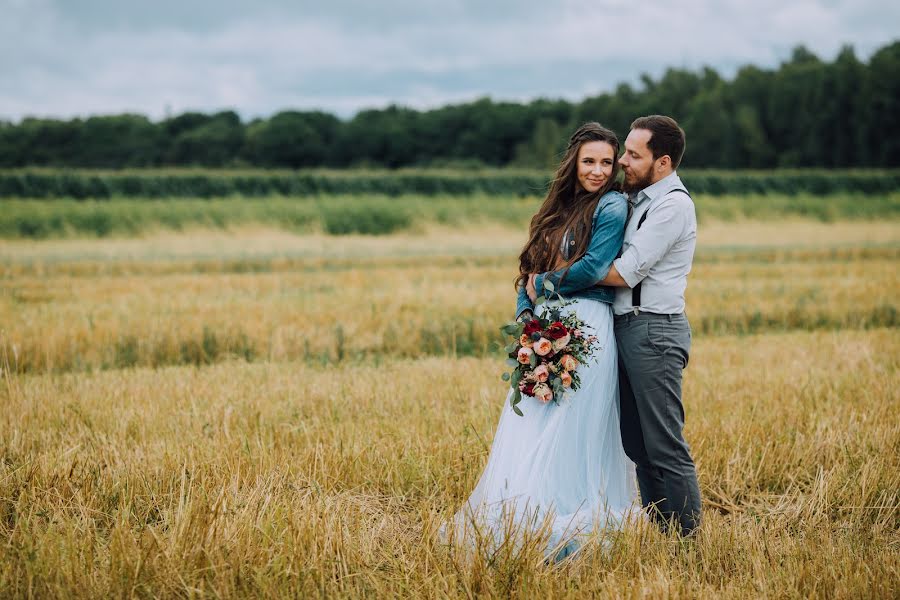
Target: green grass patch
(377, 214)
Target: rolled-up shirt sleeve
(666, 223)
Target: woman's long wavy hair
(567, 206)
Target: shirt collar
(652, 192)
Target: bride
(560, 469)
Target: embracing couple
(623, 260)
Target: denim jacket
(607, 233)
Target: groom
(652, 333)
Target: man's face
(637, 161)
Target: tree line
(806, 113)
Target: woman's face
(595, 165)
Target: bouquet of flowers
(546, 353)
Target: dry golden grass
(291, 480)
(429, 239)
(324, 464)
(72, 305)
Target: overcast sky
(78, 57)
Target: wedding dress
(559, 468)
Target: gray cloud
(98, 56)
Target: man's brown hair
(666, 137)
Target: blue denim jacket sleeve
(607, 234)
(523, 302)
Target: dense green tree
(214, 142)
(545, 147)
(749, 92)
(292, 139)
(386, 137)
(884, 106)
(752, 147)
(709, 128)
(796, 102)
(118, 141)
(45, 142)
(847, 112)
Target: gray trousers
(653, 351)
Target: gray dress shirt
(660, 253)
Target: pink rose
(525, 341)
(525, 355)
(577, 333)
(568, 362)
(543, 347)
(541, 373)
(543, 392)
(561, 342)
(566, 379)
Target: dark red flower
(527, 388)
(532, 326)
(556, 331)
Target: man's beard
(638, 184)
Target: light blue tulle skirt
(559, 472)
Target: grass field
(379, 214)
(250, 411)
(71, 305)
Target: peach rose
(568, 362)
(541, 373)
(525, 341)
(543, 392)
(566, 379)
(525, 355)
(543, 347)
(562, 342)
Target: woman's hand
(529, 288)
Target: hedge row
(212, 184)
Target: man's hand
(529, 288)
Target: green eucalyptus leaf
(540, 300)
(505, 377)
(510, 328)
(512, 362)
(518, 411)
(548, 285)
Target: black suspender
(636, 291)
